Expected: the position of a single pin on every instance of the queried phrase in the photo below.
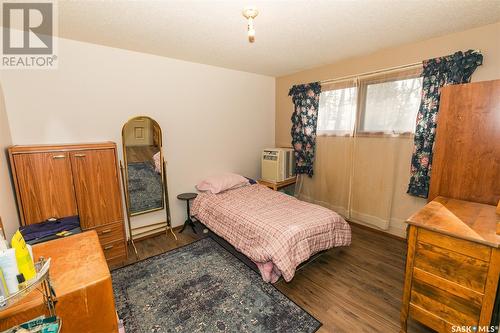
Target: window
(337, 111)
(391, 107)
(387, 105)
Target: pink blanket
(274, 230)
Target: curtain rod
(379, 71)
(385, 70)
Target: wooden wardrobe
(54, 181)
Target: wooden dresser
(54, 181)
(453, 265)
(453, 261)
(82, 283)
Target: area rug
(203, 288)
(144, 187)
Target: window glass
(337, 111)
(391, 107)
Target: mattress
(276, 231)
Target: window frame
(361, 84)
(362, 96)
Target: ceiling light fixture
(250, 13)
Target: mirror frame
(124, 149)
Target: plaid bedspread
(269, 226)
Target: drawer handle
(105, 231)
(79, 155)
(109, 247)
(58, 157)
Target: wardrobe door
(466, 162)
(45, 186)
(97, 187)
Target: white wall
(8, 211)
(213, 119)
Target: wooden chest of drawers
(453, 265)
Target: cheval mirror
(144, 175)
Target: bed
(275, 231)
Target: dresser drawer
(451, 308)
(110, 233)
(116, 262)
(114, 249)
(453, 266)
(461, 246)
(429, 319)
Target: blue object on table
(42, 230)
(251, 181)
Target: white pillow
(222, 182)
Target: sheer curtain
(330, 186)
(364, 146)
(337, 103)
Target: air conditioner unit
(278, 164)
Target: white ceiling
(290, 35)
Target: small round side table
(186, 197)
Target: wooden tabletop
(277, 185)
(462, 219)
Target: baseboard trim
(338, 209)
(395, 228)
(378, 231)
(376, 221)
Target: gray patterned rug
(203, 288)
(144, 187)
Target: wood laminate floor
(358, 289)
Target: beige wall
(213, 119)
(8, 211)
(484, 38)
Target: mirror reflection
(142, 149)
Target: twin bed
(275, 231)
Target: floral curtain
(452, 69)
(305, 97)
